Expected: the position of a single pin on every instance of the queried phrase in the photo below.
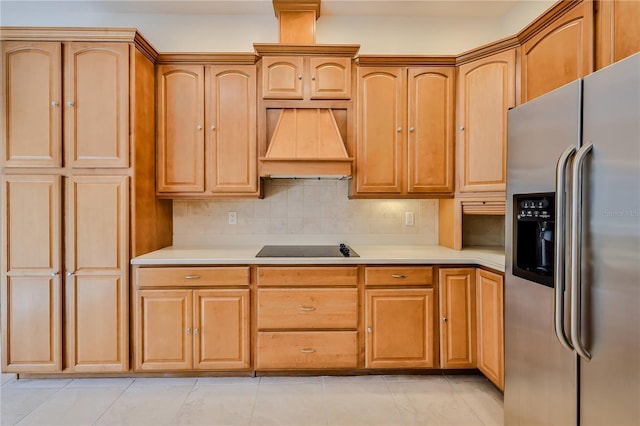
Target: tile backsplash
(304, 211)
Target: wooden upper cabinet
(430, 133)
(381, 114)
(617, 31)
(559, 54)
(282, 77)
(96, 104)
(231, 128)
(180, 100)
(300, 77)
(31, 280)
(330, 78)
(32, 96)
(490, 325)
(457, 315)
(486, 90)
(96, 282)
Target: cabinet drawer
(307, 349)
(164, 277)
(308, 308)
(308, 276)
(390, 275)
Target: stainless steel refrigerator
(572, 293)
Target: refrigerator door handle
(576, 243)
(560, 232)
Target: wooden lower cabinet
(192, 329)
(457, 315)
(400, 330)
(490, 325)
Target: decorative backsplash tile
(304, 211)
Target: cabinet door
(96, 104)
(430, 133)
(282, 77)
(381, 114)
(559, 54)
(96, 281)
(180, 109)
(31, 285)
(163, 330)
(457, 312)
(617, 31)
(330, 78)
(400, 328)
(32, 96)
(486, 91)
(490, 325)
(231, 120)
(221, 329)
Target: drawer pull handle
(307, 350)
(192, 277)
(307, 308)
(398, 275)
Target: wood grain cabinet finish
(486, 90)
(96, 278)
(207, 130)
(490, 325)
(300, 77)
(191, 329)
(307, 318)
(559, 54)
(405, 130)
(457, 301)
(400, 330)
(94, 108)
(617, 31)
(31, 274)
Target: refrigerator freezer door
(540, 374)
(610, 382)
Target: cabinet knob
(299, 76)
(213, 127)
(69, 274)
(411, 129)
(313, 77)
(199, 127)
(461, 127)
(55, 274)
(307, 350)
(307, 308)
(55, 103)
(444, 319)
(188, 330)
(70, 103)
(369, 330)
(195, 331)
(399, 129)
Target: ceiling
(433, 8)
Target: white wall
(236, 33)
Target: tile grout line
(395, 399)
(464, 400)
(39, 405)
(113, 402)
(255, 398)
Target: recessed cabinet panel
(282, 77)
(430, 133)
(181, 133)
(457, 312)
(231, 116)
(96, 104)
(380, 132)
(330, 78)
(32, 96)
(490, 325)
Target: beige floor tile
(147, 405)
(485, 400)
(227, 381)
(164, 382)
(290, 379)
(39, 383)
(364, 402)
(101, 383)
(353, 379)
(7, 377)
(16, 403)
(289, 404)
(225, 404)
(73, 406)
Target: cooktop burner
(341, 250)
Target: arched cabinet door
(330, 78)
(282, 77)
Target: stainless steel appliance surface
(572, 343)
(341, 250)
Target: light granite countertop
(369, 254)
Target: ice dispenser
(533, 237)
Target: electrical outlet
(409, 219)
(233, 218)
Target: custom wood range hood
(307, 140)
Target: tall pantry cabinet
(77, 195)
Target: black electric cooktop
(341, 250)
